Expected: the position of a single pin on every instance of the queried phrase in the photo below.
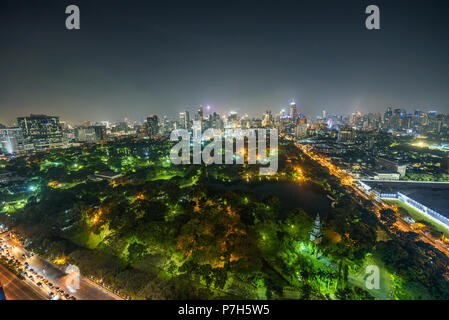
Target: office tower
(153, 126)
(217, 122)
(199, 114)
(187, 120)
(41, 132)
(293, 110)
(184, 120)
(387, 115)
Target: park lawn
(190, 182)
(418, 216)
(163, 177)
(88, 239)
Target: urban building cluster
(369, 146)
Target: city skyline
(281, 113)
(165, 59)
(203, 152)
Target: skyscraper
(199, 115)
(293, 110)
(184, 120)
(153, 126)
(387, 116)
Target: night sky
(135, 58)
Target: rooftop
(432, 195)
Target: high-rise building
(199, 114)
(184, 120)
(41, 132)
(187, 120)
(215, 121)
(293, 110)
(11, 141)
(153, 126)
(388, 115)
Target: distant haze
(135, 58)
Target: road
(87, 290)
(405, 181)
(348, 181)
(16, 289)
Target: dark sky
(133, 58)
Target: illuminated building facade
(41, 132)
